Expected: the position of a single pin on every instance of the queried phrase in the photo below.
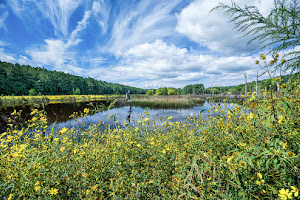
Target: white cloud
(6, 56)
(153, 65)
(213, 29)
(58, 12)
(141, 23)
(3, 16)
(101, 11)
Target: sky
(140, 43)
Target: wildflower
(283, 85)
(242, 96)
(277, 79)
(263, 192)
(10, 196)
(272, 62)
(291, 154)
(285, 194)
(277, 55)
(259, 175)
(62, 131)
(280, 119)
(53, 191)
(242, 164)
(37, 188)
(283, 61)
(257, 62)
(257, 182)
(295, 191)
(251, 116)
(86, 111)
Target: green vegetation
(193, 89)
(279, 30)
(19, 80)
(166, 101)
(237, 154)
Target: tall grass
(174, 101)
(250, 152)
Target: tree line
(16, 79)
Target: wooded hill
(16, 79)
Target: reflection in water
(60, 113)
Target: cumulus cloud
(213, 30)
(156, 64)
(6, 56)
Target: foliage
(279, 30)
(19, 79)
(172, 91)
(32, 92)
(76, 91)
(249, 152)
(162, 91)
(193, 89)
(150, 92)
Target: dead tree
(245, 75)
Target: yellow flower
(257, 62)
(277, 79)
(251, 116)
(37, 188)
(53, 191)
(277, 55)
(242, 96)
(283, 61)
(295, 191)
(63, 130)
(285, 194)
(272, 62)
(10, 196)
(291, 154)
(242, 164)
(259, 175)
(94, 188)
(257, 182)
(280, 119)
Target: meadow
(235, 155)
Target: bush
(32, 92)
(150, 92)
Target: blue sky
(141, 43)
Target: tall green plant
(279, 31)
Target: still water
(59, 113)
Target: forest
(16, 79)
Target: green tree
(150, 92)
(172, 91)
(279, 31)
(32, 92)
(162, 91)
(76, 91)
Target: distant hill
(16, 79)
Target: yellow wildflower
(277, 79)
(251, 116)
(259, 175)
(37, 188)
(280, 119)
(283, 61)
(257, 62)
(242, 164)
(53, 191)
(295, 191)
(291, 154)
(63, 130)
(10, 196)
(285, 194)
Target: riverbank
(9, 101)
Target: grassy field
(235, 155)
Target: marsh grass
(51, 99)
(235, 155)
(174, 101)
